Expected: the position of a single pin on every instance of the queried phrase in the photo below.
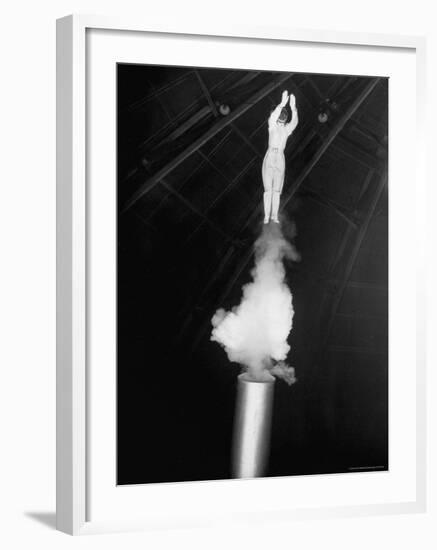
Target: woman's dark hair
(283, 117)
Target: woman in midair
(273, 169)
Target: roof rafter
(180, 116)
(343, 283)
(197, 167)
(348, 217)
(207, 94)
(196, 211)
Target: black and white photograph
(252, 273)
(218, 272)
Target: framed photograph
(240, 275)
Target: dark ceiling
(190, 209)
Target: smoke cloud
(254, 333)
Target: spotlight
(224, 109)
(323, 117)
(326, 109)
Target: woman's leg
(278, 181)
(267, 176)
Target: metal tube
(252, 422)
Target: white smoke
(255, 332)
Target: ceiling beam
(189, 123)
(214, 166)
(315, 88)
(156, 93)
(364, 158)
(246, 140)
(334, 295)
(251, 75)
(237, 178)
(197, 167)
(358, 154)
(195, 210)
(206, 93)
(225, 191)
(193, 147)
(348, 217)
(347, 234)
(343, 282)
(231, 184)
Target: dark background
(189, 210)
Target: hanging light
(323, 117)
(224, 109)
(323, 111)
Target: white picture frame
(73, 376)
